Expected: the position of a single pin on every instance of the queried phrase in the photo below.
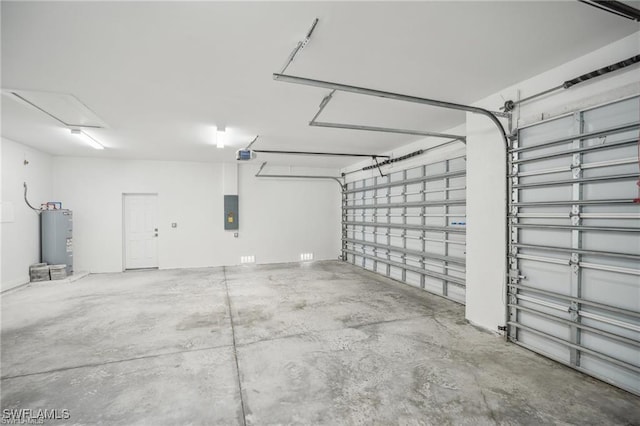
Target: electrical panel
(231, 212)
(56, 228)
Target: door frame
(124, 231)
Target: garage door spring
(391, 160)
(510, 105)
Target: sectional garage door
(410, 226)
(574, 255)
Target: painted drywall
(279, 219)
(486, 180)
(486, 197)
(20, 226)
(283, 218)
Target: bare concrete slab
(108, 317)
(196, 387)
(282, 300)
(400, 356)
(315, 343)
(408, 372)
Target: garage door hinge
(515, 274)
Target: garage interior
(245, 213)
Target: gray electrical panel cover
(231, 212)
(56, 227)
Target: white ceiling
(161, 75)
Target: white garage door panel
(412, 226)
(574, 255)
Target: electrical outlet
(174, 225)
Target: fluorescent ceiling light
(87, 139)
(221, 137)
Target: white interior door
(141, 231)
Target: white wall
(486, 197)
(284, 218)
(20, 225)
(486, 208)
(279, 219)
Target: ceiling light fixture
(87, 139)
(221, 137)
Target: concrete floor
(316, 343)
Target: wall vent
(306, 256)
(248, 259)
